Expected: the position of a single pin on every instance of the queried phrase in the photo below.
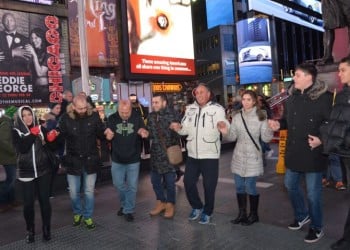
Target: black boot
(242, 205)
(46, 233)
(253, 215)
(30, 235)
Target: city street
(114, 232)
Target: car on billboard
(255, 53)
(313, 5)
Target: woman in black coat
(34, 169)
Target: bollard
(280, 166)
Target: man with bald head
(80, 127)
(128, 129)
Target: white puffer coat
(247, 160)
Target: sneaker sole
(193, 218)
(203, 222)
(315, 240)
(298, 228)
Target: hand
(175, 126)
(35, 130)
(20, 52)
(109, 134)
(52, 135)
(143, 133)
(314, 141)
(274, 125)
(222, 127)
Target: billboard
(219, 12)
(158, 39)
(33, 49)
(101, 33)
(285, 12)
(45, 2)
(254, 50)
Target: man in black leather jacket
(337, 135)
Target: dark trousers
(209, 169)
(346, 235)
(7, 189)
(40, 187)
(158, 186)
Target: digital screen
(219, 12)
(46, 2)
(159, 39)
(273, 8)
(101, 33)
(254, 50)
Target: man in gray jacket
(203, 122)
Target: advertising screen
(158, 39)
(101, 33)
(254, 50)
(33, 52)
(46, 2)
(219, 12)
(285, 12)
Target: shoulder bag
(251, 137)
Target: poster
(101, 33)
(30, 59)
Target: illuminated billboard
(158, 40)
(219, 12)
(285, 12)
(101, 33)
(46, 2)
(254, 50)
(34, 58)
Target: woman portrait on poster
(38, 65)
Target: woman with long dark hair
(34, 169)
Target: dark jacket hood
(314, 91)
(71, 113)
(19, 123)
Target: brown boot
(160, 207)
(169, 210)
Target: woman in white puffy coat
(247, 161)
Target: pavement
(145, 232)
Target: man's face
(68, 96)
(158, 103)
(10, 23)
(132, 99)
(80, 108)
(302, 80)
(344, 73)
(202, 95)
(124, 112)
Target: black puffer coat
(81, 134)
(336, 132)
(303, 115)
(158, 127)
(32, 161)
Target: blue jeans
(125, 179)
(158, 186)
(74, 181)
(313, 181)
(7, 190)
(334, 168)
(245, 184)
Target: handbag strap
(246, 128)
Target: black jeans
(40, 187)
(346, 235)
(209, 169)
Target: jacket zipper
(197, 122)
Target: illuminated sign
(158, 39)
(166, 87)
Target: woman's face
(248, 102)
(36, 41)
(57, 109)
(27, 117)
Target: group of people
(309, 117)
